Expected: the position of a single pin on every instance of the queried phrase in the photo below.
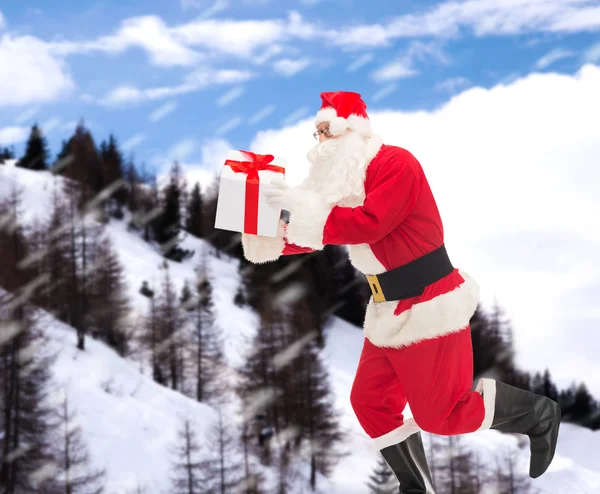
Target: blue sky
(165, 76)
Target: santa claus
(375, 199)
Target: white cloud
(216, 7)
(195, 81)
(269, 52)
(134, 141)
(182, 151)
(261, 114)
(360, 62)
(148, 32)
(30, 73)
(289, 68)
(481, 17)
(398, 69)
(50, 124)
(516, 183)
(452, 84)
(192, 4)
(293, 117)
(384, 91)
(162, 111)
(228, 126)
(552, 57)
(230, 96)
(27, 114)
(243, 38)
(13, 135)
(403, 67)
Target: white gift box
(231, 201)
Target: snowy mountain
(129, 421)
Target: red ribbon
(259, 162)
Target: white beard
(338, 169)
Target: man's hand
(279, 196)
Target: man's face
(323, 132)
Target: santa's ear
(338, 126)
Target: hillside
(129, 421)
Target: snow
(129, 421)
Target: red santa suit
(416, 350)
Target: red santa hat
(344, 110)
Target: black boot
(409, 464)
(524, 412)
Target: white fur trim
(407, 429)
(338, 126)
(447, 313)
(325, 115)
(308, 215)
(360, 124)
(362, 258)
(487, 387)
(259, 249)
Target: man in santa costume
(375, 199)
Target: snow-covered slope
(128, 420)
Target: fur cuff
(487, 388)
(259, 249)
(398, 435)
(445, 314)
(308, 215)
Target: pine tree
(36, 151)
(188, 468)
(55, 239)
(112, 171)
(170, 322)
(455, 472)
(74, 473)
(26, 457)
(583, 405)
(6, 154)
(382, 480)
(13, 244)
(195, 212)
(63, 158)
(318, 421)
(222, 472)
(209, 358)
(83, 234)
(508, 479)
(549, 389)
(109, 305)
(167, 226)
(85, 169)
(151, 336)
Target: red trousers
(434, 377)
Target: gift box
(241, 205)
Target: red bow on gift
(259, 162)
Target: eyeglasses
(325, 132)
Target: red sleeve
(392, 194)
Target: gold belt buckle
(376, 290)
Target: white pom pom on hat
(344, 110)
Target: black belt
(411, 279)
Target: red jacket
(394, 221)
